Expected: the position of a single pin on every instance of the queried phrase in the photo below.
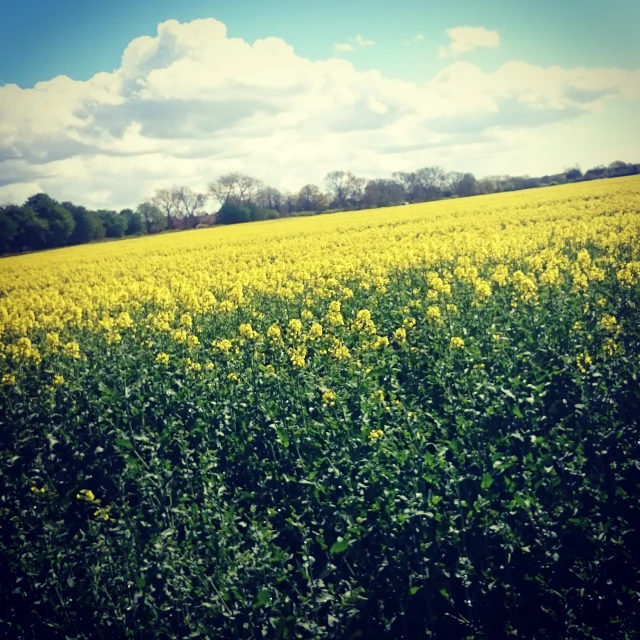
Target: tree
(383, 193)
(270, 198)
(166, 200)
(345, 189)
(466, 185)
(32, 231)
(233, 213)
(134, 222)
(188, 204)
(8, 231)
(153, 219)
(236, 188)
(573, 174)
(59, 220)
(114, 223)
(408, 182)
(310, 198)
(88, 224)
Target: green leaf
(414, 590)
(123, 442)
(263, 597)
(340, 546)
(282, 437)
(487, 481)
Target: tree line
(44, 223)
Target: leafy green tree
(32, 231)
(59, 220)
(8, 231)
(114, 223)
(152, 218)
(88, 227)
(231, 213)
(135, 226)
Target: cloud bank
(191, 104)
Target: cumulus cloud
(190, 104)
(463, 39)
(358, 41)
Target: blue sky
(514, 94)
(78, 38)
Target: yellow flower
(86, 494)
(53, 340)
(224, 345)
(315, 331)
(8, 380)
(380, 342)
(113, 337)
(297, 356)
(400, 335)
(583, 360)
(434, 313)
(295, 327)
(179, 335)
(72, 349)
(329, 397)
(610, 346)
(58, 380)
(456, 343)
(374, 434)
(162, 358)
(273, 333)
(609, 323)
(246, 331)
(102, 514)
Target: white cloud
(191, 104)
(358, 41)
(465, 39)
(415, 40)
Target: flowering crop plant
(418, 421)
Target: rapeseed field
(418, 421)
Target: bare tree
(408, 181)
(345, 188)
(188, 205)
(310, 198)
(270, 198)
(167, 201)
(355, 187)
(235, 187)
(337, 185)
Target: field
(411, 422)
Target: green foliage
(231, 213)
(59, 221)
(8, 231)
(114, 223)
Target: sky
(102, 103)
